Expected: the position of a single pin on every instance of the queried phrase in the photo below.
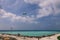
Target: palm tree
(11, 29)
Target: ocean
(30, 33)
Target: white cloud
(14, 17)
(32, 1)
(44, 12)
(11, 4)
(47, 7)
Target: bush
(58, 37)
(13, 39)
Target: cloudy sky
(30, 14)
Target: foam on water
(32, 33)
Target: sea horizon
(30, 32)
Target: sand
(53, 37)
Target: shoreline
(20, 37)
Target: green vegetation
(13, 39)
(58, 37)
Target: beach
(52, 37)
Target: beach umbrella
(38, 37)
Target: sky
(30, 14)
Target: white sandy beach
(53, 37)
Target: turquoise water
(31, 33)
